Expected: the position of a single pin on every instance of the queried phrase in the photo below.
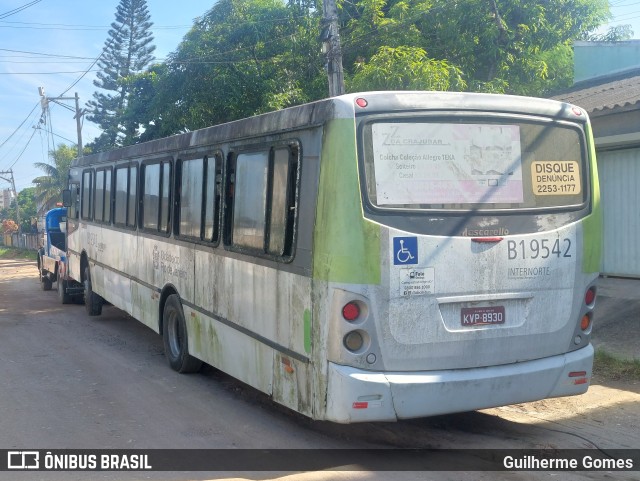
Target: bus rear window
(463, 166)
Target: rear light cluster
(589, 301)
(356, 340)
(587, 314)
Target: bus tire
(62, 292)
(92, 301)
(176, 344)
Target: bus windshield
(444, 164)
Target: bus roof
(344, 106)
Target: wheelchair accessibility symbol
(405, 250)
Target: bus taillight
(351, 311)
(353, 341)
(590, 296)
(585, 322)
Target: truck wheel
(62, 292)
(46, 282)
(92, 301)
(175, 339)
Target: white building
(5, 198)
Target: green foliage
(27, 205)
(16, 253)
(127, 51)
(406, 68)
(49, 187)
(615, 368)
(245, 57)
(618, 33)
(494, 45)
(242, 58)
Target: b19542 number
(539, 249)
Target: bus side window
(102, 196)
(74, 212)
(190, 211)
(283, 200)
(250, 200)
(87, 195)
(261, 200)
(155, 196)
(212, 193)
(125, 204)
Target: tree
(9, 226)
(243, 57)
(618, 33)
(406, 68)
(497, 45)
(28, 213)
(127, 52)
(49, 187)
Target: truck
(52, 258)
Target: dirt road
(71, 381)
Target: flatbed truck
(52, 258)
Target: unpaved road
(71, 381)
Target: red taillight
(351, 311)
(579, 377)
(362, 103)
(590, 296)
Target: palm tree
(49, 187)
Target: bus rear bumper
(355, 395)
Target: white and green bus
(369, 257)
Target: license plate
(482, 316)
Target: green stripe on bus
(346, 246)
(592, 225)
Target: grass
(15, 253)
(614, 368)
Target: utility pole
(44, 101)
(15, 194)
(330, 37)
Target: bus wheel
(62, 292)
(175, 337)
(92, 301)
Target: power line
(19, 9)
(19, 126)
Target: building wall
(5, 198)
(619, 180)
(599, 59)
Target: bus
(368, 257)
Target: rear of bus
(459, 236)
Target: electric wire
(19, 9)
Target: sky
(53, 43)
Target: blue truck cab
(55, 231)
